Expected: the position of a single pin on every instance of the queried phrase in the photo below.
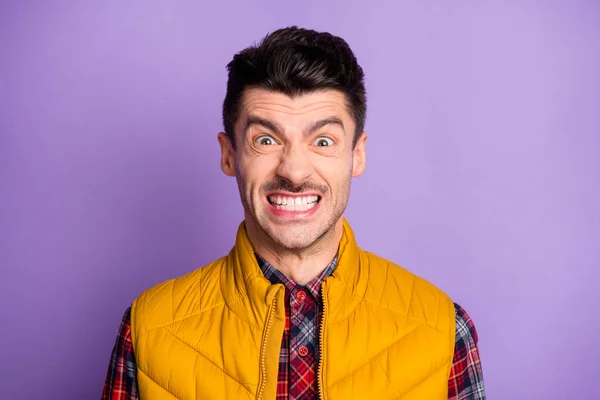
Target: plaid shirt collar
(275, 276)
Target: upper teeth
(297, 201)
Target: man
(296, 310)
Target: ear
(227, 154)
(359, 156)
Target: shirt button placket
(302, 351)
(301, 295)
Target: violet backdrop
(483, 171)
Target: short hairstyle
(296, 61)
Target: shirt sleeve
(466, 376)
(121, 379)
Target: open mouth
(297, 203)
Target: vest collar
(249, 294)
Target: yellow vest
(216, 332)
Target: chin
(293, 239)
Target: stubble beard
(295, 238)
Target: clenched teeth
(302, 203)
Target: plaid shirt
(298, 360)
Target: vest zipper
(263, 356)
(321, 334)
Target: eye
(323, 142)
(265, 140)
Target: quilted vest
(216, 332)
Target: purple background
(483, 171)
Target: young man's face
(294, 162)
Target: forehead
(301, 108)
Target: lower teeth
(295, 208)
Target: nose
(295, 166)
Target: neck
(301, 266)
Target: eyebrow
(324, 122)
(265, 123)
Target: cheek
(255, 171)
(336, 171)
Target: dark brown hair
(296, 61)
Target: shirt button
(303, 351)
(301, 295)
